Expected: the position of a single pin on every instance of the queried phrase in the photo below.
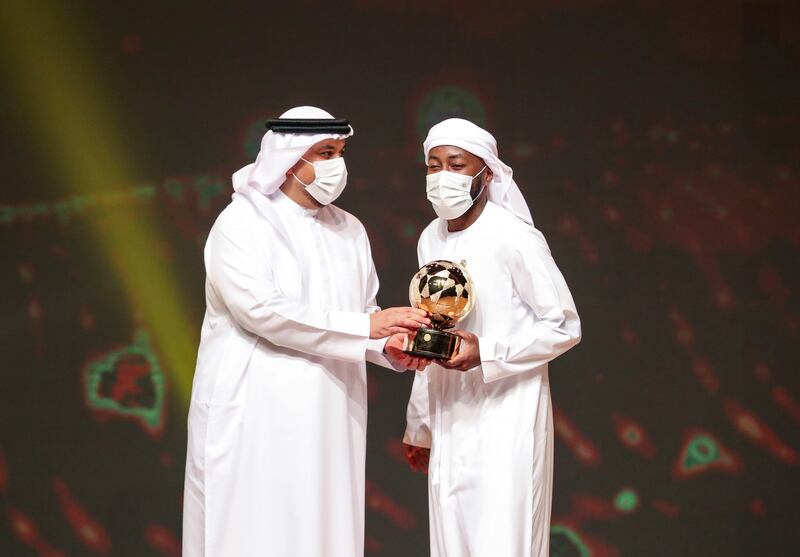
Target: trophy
(444, 290)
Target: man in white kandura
(481, 423)
(278, 415)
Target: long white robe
(490, 429)
(278, 414)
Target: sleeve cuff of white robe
(418, 438)
(376, 355)
(490, 352)
(354, 344)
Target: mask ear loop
(312, 181)
(483, 186)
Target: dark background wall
(656, 143)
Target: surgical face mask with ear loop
(449, 193)
(330, 178)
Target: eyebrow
(327, 146)
(449, 157)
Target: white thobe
(278, 414)
(490, 429)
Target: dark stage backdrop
(656, 142)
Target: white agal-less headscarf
(279, 152)
(462, 133)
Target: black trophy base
(432, 343)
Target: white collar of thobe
(474, 226)
(286, 204)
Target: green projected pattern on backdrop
(128, 382)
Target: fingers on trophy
(444, 290)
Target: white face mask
(449, 193)
(329, 181)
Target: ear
(489, 175)
(294, 168)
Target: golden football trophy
(444, 290)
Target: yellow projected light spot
(61, 92)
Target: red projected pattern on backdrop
(85, 526)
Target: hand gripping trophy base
(432, 343)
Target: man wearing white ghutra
(481, 423)
(278, 414)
